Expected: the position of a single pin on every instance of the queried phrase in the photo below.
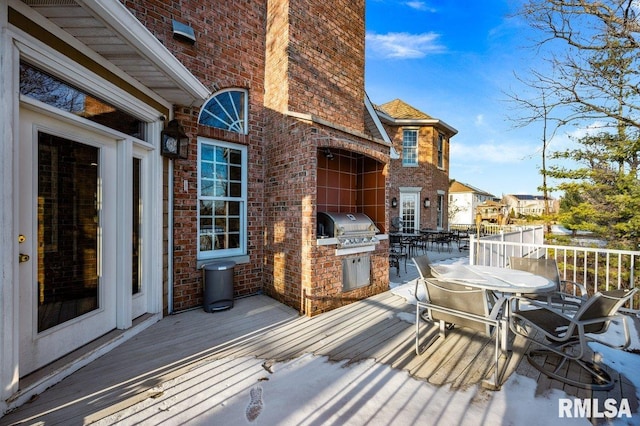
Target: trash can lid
(219, 266)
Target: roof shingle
(399, 109)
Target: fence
(596, 268)
(488, 228)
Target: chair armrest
(548, 307)
(607, 342)
(583, 289)
(415, 292)
(498, 307)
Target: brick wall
(316, 59)
(304, 56)
(229, 52)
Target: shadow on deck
(259, 332)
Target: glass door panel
(136, 263)
(68, 230)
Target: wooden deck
(377, 328)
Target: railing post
(472, 249)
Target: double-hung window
(440, 211)
(410, 148)
(222, 199)
(440, 150)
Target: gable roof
(463, 187)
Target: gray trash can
(218, 285)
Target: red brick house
(106, 219)
(419, 170)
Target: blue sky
(455, 60)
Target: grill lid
(349, 228)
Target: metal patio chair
(565, 337)
(548, 268)
(443, 240)
(463, 306)
(397, 252)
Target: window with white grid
(410, 148)
(222, 199)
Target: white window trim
(242, 250)
(417, 133)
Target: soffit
(107, 28)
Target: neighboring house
(464, 200)
(419, 170)
(528, 205)
(105, 222)
(492, 211)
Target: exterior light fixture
(174, 141)
(328, 154)
(394, 202)
(183, 32)
(426, 203)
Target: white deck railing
(488, 228)
(596, 268)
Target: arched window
(227, 110)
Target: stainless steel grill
(351, 229)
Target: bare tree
(589, 76)
(592, 55)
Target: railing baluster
(496, 249)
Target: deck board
(258, 331)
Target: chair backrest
(423, 263)
(461, 298)
(602, 305)
(547, 268)
(396, 246)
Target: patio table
(492, 278)
(409, 239)
(503, 280)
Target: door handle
(23, 258)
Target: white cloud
(497, 153)
(568, 139)
(420, 5)
(403, 45)
(479, 121)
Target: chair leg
(497, 374)
(420, 316)
(599, 379)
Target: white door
(410, 211)
(67, 214)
